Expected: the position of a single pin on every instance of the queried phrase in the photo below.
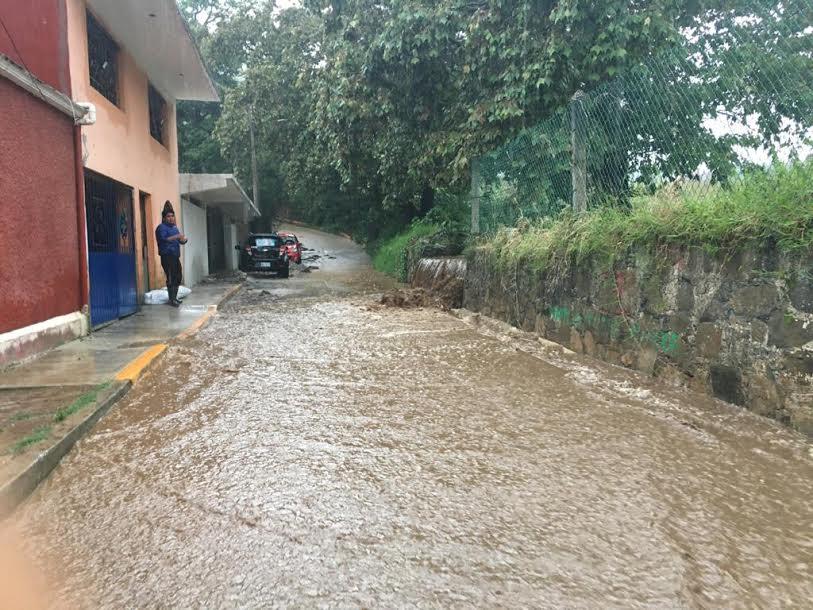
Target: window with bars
(103, 57)
(158, 115)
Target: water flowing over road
(312, 448)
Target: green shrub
(391, 256)
(772, 206)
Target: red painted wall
(38, 29)
(39, 245)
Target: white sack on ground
(161, 296)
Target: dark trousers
(172, 269)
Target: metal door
(111, 249)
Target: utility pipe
(81, 219)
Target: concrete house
(216, 212)
(132, 61)
(88, 155)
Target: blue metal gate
(111, 249)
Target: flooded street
(311, 448)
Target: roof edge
(249, 200)
(185, 180)
(25, 80)
(198, 54)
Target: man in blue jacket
(169, 239)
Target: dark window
(158, 115)
(103, 55)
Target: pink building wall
(41, 208)
(119, 145)
(39, 237)
(34, 37)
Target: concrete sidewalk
(100, 356)
(81, 380)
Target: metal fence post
(255, 180)
(474, 196)
(578, 164)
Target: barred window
(103, 56)
(158, 114)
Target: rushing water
(429, 270)
(311, 448)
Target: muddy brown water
(310, 448)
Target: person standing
(169, 239)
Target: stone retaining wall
(739, 327)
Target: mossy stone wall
(737, 325)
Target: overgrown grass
(37, 436)
(86, 399)
(63, 413)
(21, 416)
(764, 207)
(390, 258)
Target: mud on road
(312, 448)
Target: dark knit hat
(167, 209)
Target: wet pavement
(31, 392)
(98, 357)
(310, 448)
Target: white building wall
(232, 255)
(195, 252)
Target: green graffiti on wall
(560, 314)
(666, 341)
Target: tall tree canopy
(363, 109)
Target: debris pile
(446, 294)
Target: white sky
(287, 3)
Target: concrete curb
(228, 296)
(136, 368)
(15, 491)
(193, 329)
(19, 488)
(21, 345)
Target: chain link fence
(735, 95)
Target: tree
(389, 101)
(198, 151)
(737, 79)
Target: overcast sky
(286, 3)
